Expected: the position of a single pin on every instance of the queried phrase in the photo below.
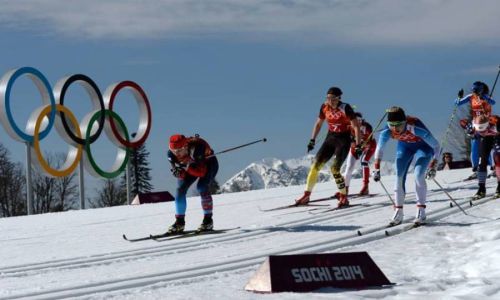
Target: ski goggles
(395, 123)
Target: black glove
(461, 94)
(358, 150)
(431, 172)
(178, 172)
(376, 175)
(310, 146)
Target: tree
(12, 186)
(53, 194)
(140, 178)
(110, 194)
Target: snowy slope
(82, 254)
(273, 172)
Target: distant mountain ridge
(273, 172)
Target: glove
(310, 146)
(461, 94)
(376, 175)
(431, 173)
(178, 172)
(358, 150)
(469, 129)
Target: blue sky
(237, 71)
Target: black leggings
(335, 143)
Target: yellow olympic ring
(75, 151)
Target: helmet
(481, 123)
(358, 115)
(334, 91)
(177, 141)
(396, 114)
(480, 88)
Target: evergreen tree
(140, 178)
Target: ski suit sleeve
(489, 100)
(426, 135)
(464, 100)
(383, 137)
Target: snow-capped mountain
(273, 172)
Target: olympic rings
(38, 128)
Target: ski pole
(237, 147)
(447, 194)
(495, 84)
(388, 195)
(374, 130)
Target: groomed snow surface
(82, 253)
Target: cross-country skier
(486, 130)
(414, 141)
(340, 118)
(189, 162)
(369, 148)
(480, 103)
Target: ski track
(304, 245)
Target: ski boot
(178, 226)
(364, 190)
(207, 224)
(420, 217)
(397, 218)
(481, 193)
(343, 202)
(304, 200)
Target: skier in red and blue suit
(480, 103)
(414, 141)
(191, 158)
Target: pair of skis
(173, 236)
(313, 202)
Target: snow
(81, 254)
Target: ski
(290, 206)
(154, 236)
(335, 208)
(193, 233)
(406, 228)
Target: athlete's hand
(461, 94)
(310, 146)
(358, 150)
(178, 172)
(376, 175)
(469, 129)
(431, 172)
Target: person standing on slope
(191, 159)
(480, 103)
(340, 118)
(369, 144)
(486, 131)
(414, 141)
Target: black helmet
(480, 88)
(396, 114)
(334, 91)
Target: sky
(238, 71)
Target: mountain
(273, 172)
